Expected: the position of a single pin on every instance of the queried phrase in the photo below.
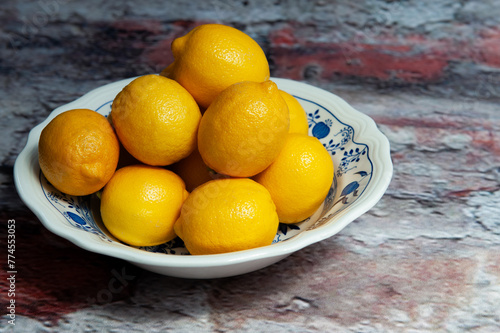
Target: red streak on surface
(412, 59)
(54, 277)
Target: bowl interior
(350, 155)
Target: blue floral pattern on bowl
(351, 160)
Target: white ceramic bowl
(363, 170)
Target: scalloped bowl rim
(364, 126)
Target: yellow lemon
(211, 57)
(244, 129)
(78, 151)
(156, 120)
(193, 170)
(141, 203)
(227, 215)
(298, 118)
(299, 179)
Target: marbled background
(425, 259)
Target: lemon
(141, 203)
(156, 120)
(298, 118)
(211, 57)
(244, 129)
(78, 151)
(193, 170)
(299, 179)
(227, 215)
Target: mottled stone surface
(426, 258)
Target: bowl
(363, 170)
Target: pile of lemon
(210, 151)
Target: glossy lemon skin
(298, 117)
(78, 152)
(299, 179)
(156, 120)
(244, 129)
(211, 57)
